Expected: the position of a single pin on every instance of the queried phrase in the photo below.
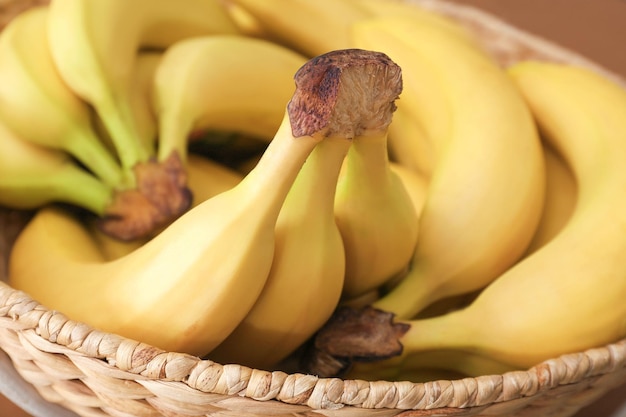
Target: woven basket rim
(52, 332)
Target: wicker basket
(94, 374)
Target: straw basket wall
(93, 373)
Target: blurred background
(596, 29)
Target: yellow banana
(568, 295)
(409, 145)
(429, 366)
(140, 96)
(214, 260)
(375, 215)
(223, 83)
(247, 24)
(37, 105)
(560, 200)
(418, 15)
(32, 176)
(486, 191)
(309, 27)
(141, 100)
(307, 275)
(416, 185)
(94, 45)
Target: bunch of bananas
(480, 210)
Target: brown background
(595, 28)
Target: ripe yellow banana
(429, 366)
(247, 23)
(375, 215)
(307, 275)
(567, 296)
(94, 45)
(560, 200)
(140, 96)
(37, 105)
(409, 145)
(32, 176)
(486, 191)
(309, 27)
(416, 185)
(192, 284)
(418, 14)
(223, 83)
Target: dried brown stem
(351, 335)
(160, 197)
(345, 93)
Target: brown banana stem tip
(161, 196)
(344, 93)
(353, 335)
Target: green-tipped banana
(95, 43)
(32, 176)
(38, 106)
(222, 83)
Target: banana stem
(273, 175)
(69, 185)
(368, 160)
(412, 294)
(91, 152)
(447, 331)
(81, 189)
(119, 122)
(319, 173)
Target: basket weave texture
(99, 374)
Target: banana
(560, 200)
(418, 15)
(429, 366)
(94, 45)
(416, 185)
(568, 295)
(38, 106)
(309, 27)
(246, 23)
(408, 143)
(486, 191)
(215, 259)
(140, 96)
(32, 176)
(375, 215)
(223, 83)
(141, 99)
(307, 275)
